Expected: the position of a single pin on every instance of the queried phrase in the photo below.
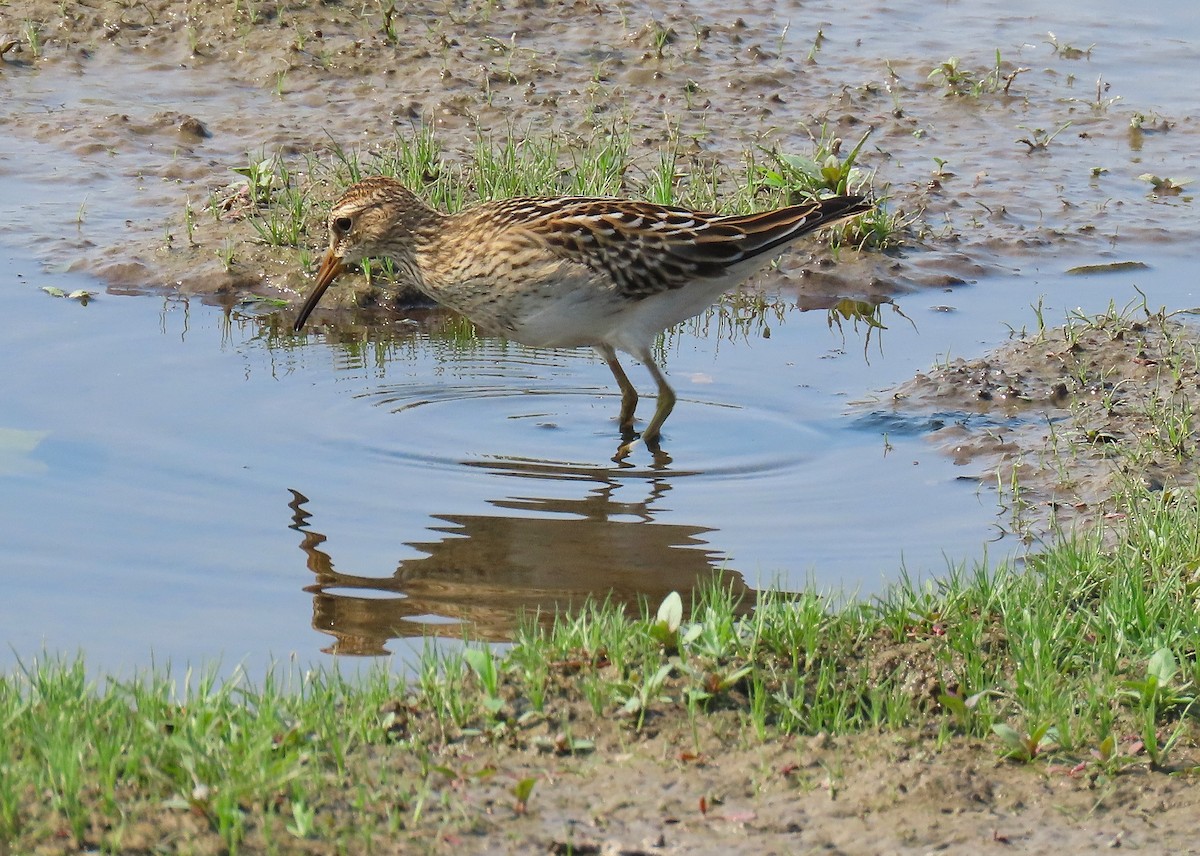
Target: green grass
(290, 202)
(959, 80)
(1086, 656)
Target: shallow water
(179, 483)
(197, 491)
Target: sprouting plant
(1164, 186)
(1101, 104)
(661, 35)
(226, 254)
(193, 40)
(1039, 139)
(818, 40)
(827, 171)
(522, 791)
(252, 10)
(261, 178)
(1155, 693)
(389, 20)
(962, 709)
(665, 629)
(1067, 51)
(189, 222)
(483, 664)
(303, 817)
(1026, 747)
(1148, 123)
(957, 80)
(648, 690)
(32, 33)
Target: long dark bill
(331, 266)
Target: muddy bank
(1062, 420)
(968, 158)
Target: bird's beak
(331, 266)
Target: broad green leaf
(478, 659)
(1009, 735)
(692, 634)
(523, 789)
(1162, 666)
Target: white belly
(589, 315)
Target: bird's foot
(630, 440)
(624, 451)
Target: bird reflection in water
(490, 570)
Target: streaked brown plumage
(567, 271)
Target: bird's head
(376, 218)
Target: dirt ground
(300, 78)
(877, 795)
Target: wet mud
(1063, 420)
(220, 86)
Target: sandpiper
(564, 272)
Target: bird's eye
(342, 225)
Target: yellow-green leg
(666, 402)
(629, 396)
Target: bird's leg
(629, 396)
(666, 401)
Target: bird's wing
(646, 248)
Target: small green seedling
(665, 629)
(1163, 186)
(1039, 139)
(1155, 690)
(825, 172)
(80, 294)
(1067, 51)
(303, 817)
(957, 80)
(963, 708)
(261, 178)
(483, 663)
(522, 791)
(650, 690)
(1026, 747)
